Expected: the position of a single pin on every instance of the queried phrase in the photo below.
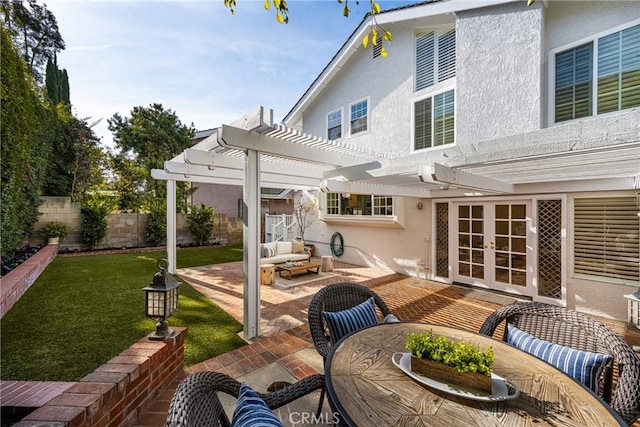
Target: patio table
(365, 387)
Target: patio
(285, 351)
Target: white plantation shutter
(446, 55)
(607, 238)
(619, 70)
(425, 57)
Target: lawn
(82, 311)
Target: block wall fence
(125, 230)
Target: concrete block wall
(117, 392)
(125, 230)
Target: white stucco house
(498, 146)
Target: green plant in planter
(455, 362)
(53, 230)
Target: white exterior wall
(497, 97)
(499, 103)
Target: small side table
(267, 274)
(327, 263)
(633, 314)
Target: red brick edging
(16, 283)
(117, 392)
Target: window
(434, 120)
(602, 75)
(359, 204)
(435, 57)
(359, 116)
(607, 238)
(333, 204)
(334, 125)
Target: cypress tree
(52, 82)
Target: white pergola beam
(232, 137)
(439, 173)
(334, 186)
(353, 173)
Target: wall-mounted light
(419, 205)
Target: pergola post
(171, 225)
(251, 237)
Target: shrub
(94, 211)
(54, 229)
(200, 222)
(156, 231)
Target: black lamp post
(161, 300)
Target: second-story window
(334, 125)
(434, 120)
(359, 116)
(599, 76)
(435, 57)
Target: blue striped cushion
(251, 411)
(583, 366)
(343, 322)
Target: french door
(492, 245)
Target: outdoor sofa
(280, 252)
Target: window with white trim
(359, 204)
(334, 124)
(599, 76)
(359, 121)
(433, 121)
(607, 238)
(435, 57)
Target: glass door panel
(471, 248)
(510, 254)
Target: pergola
(254, 152)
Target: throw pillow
(341, 323)
(283, 248)
(269, 249)
(583, 366)
(297, 246)
(252, 411)
(390, 318)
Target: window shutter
(446, 55)
(425, 55)
(619, 70)
(607, 238)
(574, 83)
(422, 124)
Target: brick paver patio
(286, 343)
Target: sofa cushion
(583, 366)
(283, 248)
(297, 246)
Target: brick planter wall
(16, 283)
(116, 392)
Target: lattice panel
(442, 239)
(549, 248)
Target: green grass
(82, 311)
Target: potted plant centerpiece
(455, 362)
(54, 231)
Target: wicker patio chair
(195, 402)
(579, 331)
(337, 297)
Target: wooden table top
(367, 389)
(296, 268)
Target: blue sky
(194, 57)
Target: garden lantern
(161, 300)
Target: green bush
(95, 209)
(200, 222)
(156, 231)
(54, 229)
